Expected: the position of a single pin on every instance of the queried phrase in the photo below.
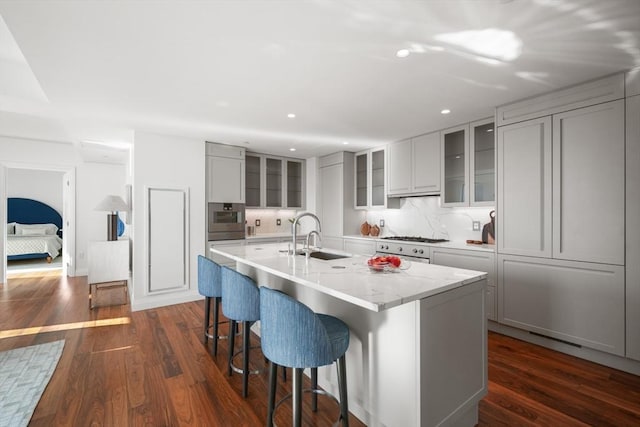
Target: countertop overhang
(350, 279)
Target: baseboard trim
(610, 360)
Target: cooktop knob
(415, 251)
(421, 251)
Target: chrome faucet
(294, 230)
(317, 240)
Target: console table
(108, 265)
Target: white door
(588, 184)
(69, 223)
(524, 188)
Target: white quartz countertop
(444, 245)
(350, 279)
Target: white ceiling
(231, 71)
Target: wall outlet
(278, 222)
(257, 223)
(476, 225)
(381, 223)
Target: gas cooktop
(414, 239)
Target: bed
(34, 230)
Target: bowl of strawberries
(384, 263)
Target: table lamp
(112, 204)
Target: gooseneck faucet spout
(294, 230)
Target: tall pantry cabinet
(561, 215)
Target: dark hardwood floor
(151, 368)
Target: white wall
(41, 185)
(94, 181)
(176, 163)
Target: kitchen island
(418, 351)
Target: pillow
(42, 228)
(35, 231)
(11, 228)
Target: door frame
(68, 218)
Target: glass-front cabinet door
(294, 184)
(362, 179)
(377, 179)
(455, 164)
(482, 161)
(252, 181)
(274, 182)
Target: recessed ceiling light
(292, 149)
(291, 116)
(402, 53)
(445, 111)
(345, 142)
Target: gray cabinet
(632, 241)
(336, 192)
(588, 184)
(225, 170)
(274, 182)
(524, 188)
(366, 247)
(482, 163)
(370, 179)
(414, 166)
(472, 260)
(580, 303)
(551, 210)
(455, 164)
(468, 169)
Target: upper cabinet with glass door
(468, 164)
(370, 179)
(455, 164)
(482, 149)
(274, 182)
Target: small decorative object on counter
(365, 228)
(374, 230)
(489, 230)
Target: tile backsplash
(423, 216)
(269, 218)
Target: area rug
(24, 374)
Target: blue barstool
(292, 335)
(240, 303)
(210, 286)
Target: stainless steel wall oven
(225, 221)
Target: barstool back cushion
(209, 284)
(292, 335)
(240, 296)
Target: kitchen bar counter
(350, 279)
(421, 331)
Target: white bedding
(20, 245)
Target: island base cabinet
(423, 363)
(575, 302)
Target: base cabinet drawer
(580, 303)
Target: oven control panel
(404, 249)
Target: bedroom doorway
(53, 188)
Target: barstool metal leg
(246, 326)
(216, 307)
(342, 385)
(297, 397)
(273, 373)
(314, 386)
(232, 327)
(207, 312)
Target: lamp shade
(112, 204)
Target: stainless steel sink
(324, 255)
